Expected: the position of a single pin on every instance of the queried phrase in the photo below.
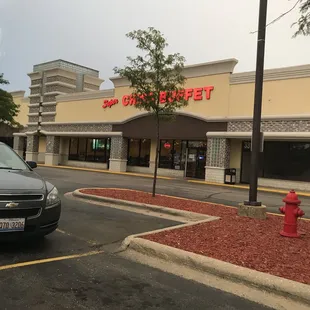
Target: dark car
(29, 205)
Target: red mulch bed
(250, 243)
(160, 200)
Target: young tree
(8, 109)
(156, 80)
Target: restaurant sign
(197, 94)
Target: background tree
(8, 109)
(156, 80)
(303, 23)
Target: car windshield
(10, 160)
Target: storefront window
(139, 152)
(88, 149)
(172, 154)
(287, 161)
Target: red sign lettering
(195, 93)
(109, 103)
(208, 90)
(188, 93)
(163, 97)
(198, 94)
(125, 100)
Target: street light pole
(256, 134)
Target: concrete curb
(187, 215)
(276, 285)
(290, 289)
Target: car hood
(20, 180)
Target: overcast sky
(92, 33)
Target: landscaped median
(243, 242)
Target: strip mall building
(69, 121)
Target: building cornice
(61, 84)
(193, 71)
(93, 80)
(97, 94)
(61, 72)
(272, 74)
(210, 68)
(35, 75)
(18, 93)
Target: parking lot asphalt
(77, 267)
(180, 188)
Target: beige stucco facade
(223, 112)
(22, 102)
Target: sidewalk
(150, 176)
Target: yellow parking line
(49, 260)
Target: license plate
(8, 225)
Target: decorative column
(118, 154)
(64, 150)
(218, 155)
(32, 148)
(52, 150)
(19, 145)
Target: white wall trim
(47, 104)
(294, 136)
(54, 93)
(97, 94)
(82, 134)
(48, 113)
(19, 134)
(33, 105)
(34, 86)
(34, 95)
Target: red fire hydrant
(292, 213)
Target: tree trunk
(157, 156)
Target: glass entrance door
(196, 161)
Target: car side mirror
(32, 164)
